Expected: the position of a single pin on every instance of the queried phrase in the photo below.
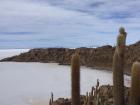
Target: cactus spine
(75, 66)
(118, 64)
(135, 85)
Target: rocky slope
(100, 57)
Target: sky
(67, 23)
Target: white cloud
(55, 19)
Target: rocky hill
(100, 58)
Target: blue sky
(67, 23)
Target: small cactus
(75, 66)
(135, 85)
(86, 99)
(50, 102)
(52, 97)
(118, 65)
(92, 90)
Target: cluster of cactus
(98, 97)
(93, 98)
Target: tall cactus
(118, 65)
(135, 85)
(75, 66)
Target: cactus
(86, 99)
(135, 85)
(92, 90)
(118, 65)
(50, 102)
(52, 97)
(75, 66)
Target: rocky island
(99, 58)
